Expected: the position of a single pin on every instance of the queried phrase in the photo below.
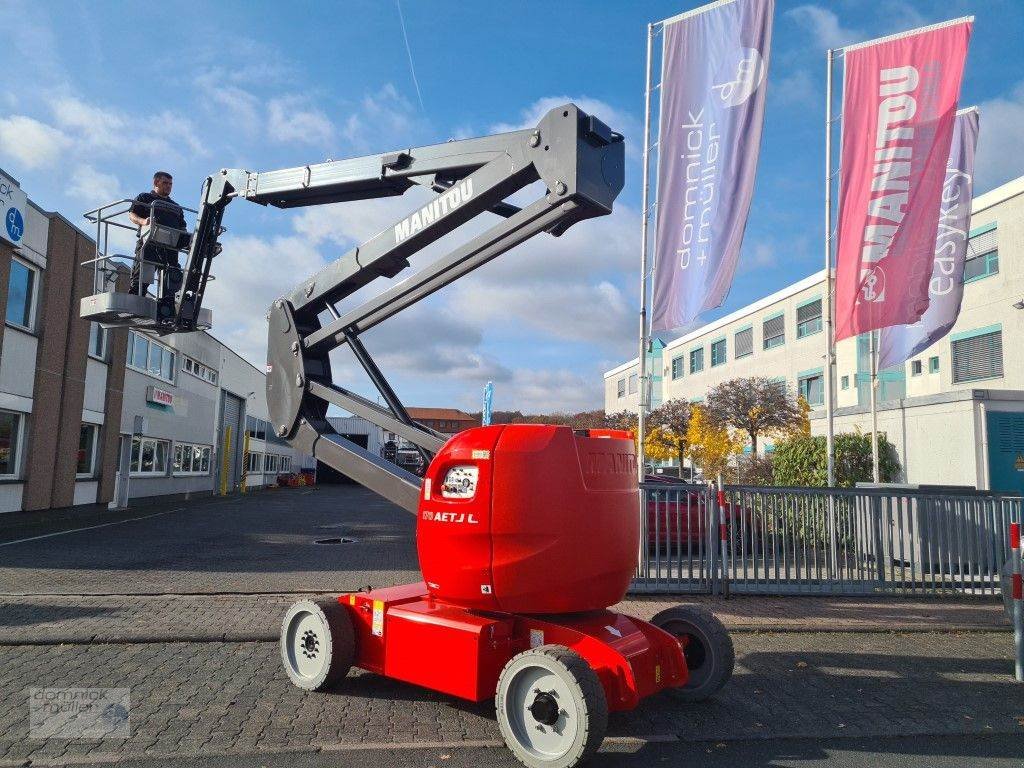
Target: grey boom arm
(580, 162)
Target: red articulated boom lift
(526, 533)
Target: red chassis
(403, 633)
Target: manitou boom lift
(525, 533)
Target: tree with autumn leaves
(757, 406)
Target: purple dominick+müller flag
(713, 83)
(899, 343)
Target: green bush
(801, 461)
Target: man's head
(162, 183)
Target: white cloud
(1000, 140)
(616, 119)
(759, 256)
(30, 142)
(291, 120)
(797, 88)
(87, 183)
(824, 26)
(548, 390)
(99, 130)
(581, 312)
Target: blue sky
(97, 95)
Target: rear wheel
(707, 647)
(551, 707)
(317, 643)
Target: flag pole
(644, 390)
(830, 357)
(873, 351)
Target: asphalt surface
(1003, 751)
(263, 543)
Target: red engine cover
(552, 527)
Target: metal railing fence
(822, 541)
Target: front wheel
(551, 707)
(707, 647)
(317, 643)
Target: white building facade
(942, 409)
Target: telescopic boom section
(580, 162)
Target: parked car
(680, 517)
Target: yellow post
(245, 462)
(225, 458)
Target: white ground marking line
(88, 528)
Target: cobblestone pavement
(198, 618)
(189, 699)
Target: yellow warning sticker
(378, 618)
(657, 673)
(478, 454)
(351, 599)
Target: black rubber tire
(588, 696)
(339, 645)
(709, 651)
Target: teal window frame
(697, 360)
(810, 375)
(723, 346)
(933, 364)
(844, 382)
(991, 267)
(814, 325)
(964, 335)
(735, 347)
(681, 359)
(781, 339)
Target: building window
(286, 463)
(744, 343)
(620, 387)
(916, 368)
(256, 428)
(978, 357)
(254, 463)
(634, 383)
(808, 319)
(697, 360)
(190, 459)
(10, 442)
(148, 356)
(933, 364)
(149, 456)
(774, 331)
(97, 341)
(812, 387)
(844, 382)
(677, 367)
(717, 352)
(272, 462)
(21, 294)
(200, 371)
(982, 256)
(86, 466)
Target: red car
(676, 516)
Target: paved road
(979, 751)
(263, 543)
(179, 608)
(201, 699)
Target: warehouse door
(229, 440)
(1006, 451)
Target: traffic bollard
(1018, 601)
